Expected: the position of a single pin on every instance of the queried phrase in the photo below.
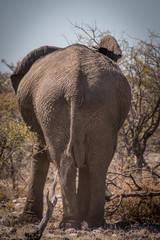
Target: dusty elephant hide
(76, 99)
(24, 66)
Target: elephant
(76, 100)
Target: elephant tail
(73, 111)
(75, 145)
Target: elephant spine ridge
(25, 65)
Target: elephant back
(24, 66)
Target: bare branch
(92, 36)
(140, 195)
(51, 204)
(66, 39)
(115, 209)
(42, 225)
(135, 183)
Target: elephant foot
(65, 224)
(94, 223)
(29, 218)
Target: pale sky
(28, 24)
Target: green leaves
(14, 134)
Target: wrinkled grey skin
(76, 99)
(24, 66)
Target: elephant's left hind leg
(34, 205)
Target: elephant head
(109, 47)
(24, 66)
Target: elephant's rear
(104, 100)
(73, 95)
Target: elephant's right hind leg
(68, 187)
(33, 209)
(83, 193)
(101, 151)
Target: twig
(127, 195)
(42, 225)
(115, 209)
(93, 38)
(8, 156)
(156, 166)
(66, 39)
(124, 195)
(123, 174)
(111, 182)
(135, 183)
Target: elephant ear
(24, 66)
(109, 47)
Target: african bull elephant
(76, 99)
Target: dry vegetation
(133, 213)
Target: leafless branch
(139, 195)
(151, 171)
(86, 31)
(135, 183)
(115, 209)
(66, 39)
(42, 225)
(131, 195)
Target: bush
(16, 139)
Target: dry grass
(134, 218)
